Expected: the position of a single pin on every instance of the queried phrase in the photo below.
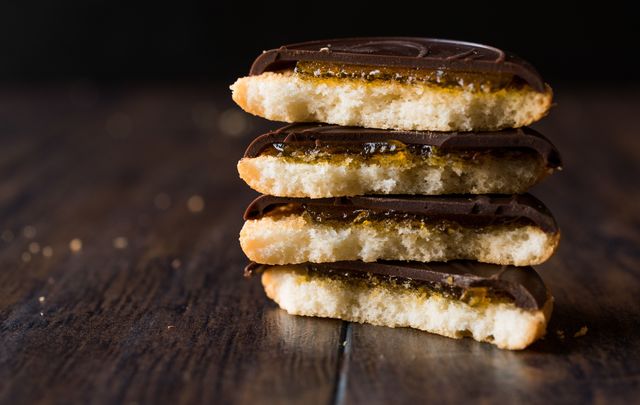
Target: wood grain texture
(168, 318)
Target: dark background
(216, 41)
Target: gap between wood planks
(342, 368)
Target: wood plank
(169, 317)
(595, 278)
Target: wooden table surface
(153, 308)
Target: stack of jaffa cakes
(397, 196)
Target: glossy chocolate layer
(416, 53)
(312, 135)
(522, 284)
(479, 210)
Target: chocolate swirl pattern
(312, 134)
(417, 53)
(481, 209)
(523, 284)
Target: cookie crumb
(47, 251)
(34, 247)
(41, 313)
(7, 235)
(581, 332)
(41, 299)
(233, 122)
(170, 326)
(120, 242)
(29, 231)
(195, 204)
(75, 245)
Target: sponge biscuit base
(296, 238)
(502, 324)
(349, 176)
(285, 96)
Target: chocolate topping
(313, 134)
(425, 53)
(523, 284)
(477, 210)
